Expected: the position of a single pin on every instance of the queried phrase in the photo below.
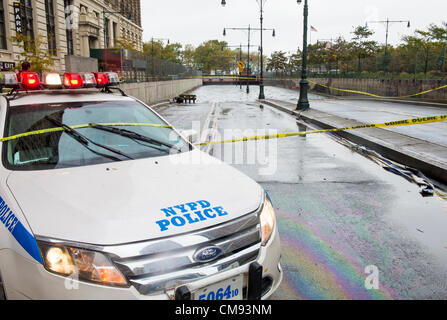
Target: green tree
(277, 62)
(172, 52)
(187, 56)
(317, 55)
(153, 48)
(362, 46)
(439, 33)
(126, 44)
(338, 51)
(213, 55)
(34, 51)
(420, 42)
(295, 61)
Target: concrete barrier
(381, 87)
(153, 92)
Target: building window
(51, 28)
(106, 33)
(115, 33)
(68, 26)
(2, 27)
(26, 10)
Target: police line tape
(325, 86)
(401, 123)
(91, 125)
(377, 96)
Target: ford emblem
(208, 254)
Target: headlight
(87, 265)
(268, 221)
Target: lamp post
(388, 22)
(303, 102)
(261, 82)
(249, 29)
(248, 59)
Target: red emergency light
(101, 79)
(73, 80)
(30, 80)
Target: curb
(160, 104)
(430, 168)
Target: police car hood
(133, 201)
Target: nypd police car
(100, 198)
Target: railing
(133, 66)
(412, 65)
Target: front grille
(158, 266)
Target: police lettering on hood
(189, 213)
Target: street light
(248, 47)
(261, 82)
(388, 22)
(303, 102)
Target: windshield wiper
(133, 135)
(86, 141)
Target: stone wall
(153, 92)
(381, 87)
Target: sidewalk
(430, 158)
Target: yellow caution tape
(83, 126)
(345, 90)
(377, 96)
(401, 123)
(424, 92)
(325, 86)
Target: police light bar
(101, 79)
(9, 80)
(52, 80)
(114, 79)
(30, 80)
(89, 80)
(73, 81)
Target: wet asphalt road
(337, 212)
(371, 112)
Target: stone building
(69, 28)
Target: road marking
(209, 130)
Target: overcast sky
(195, 21)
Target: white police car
(100, 198)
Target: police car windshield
(48, 149)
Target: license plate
(230, 289)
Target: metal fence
(412, 65)
(133, 66)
